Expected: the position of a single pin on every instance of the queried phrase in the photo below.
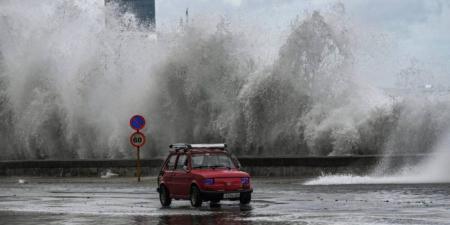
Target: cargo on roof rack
(221, 146)
(179, 146)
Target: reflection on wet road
(275, 201)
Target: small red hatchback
(202, 172)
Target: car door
(181, 177)
(168, 173)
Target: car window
(235, 160)
(211, 161)
(171, 162)
(182, 161)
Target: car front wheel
(196, 199)
(164, 196)
(245, 198)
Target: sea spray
(72, 73)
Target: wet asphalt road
(275, 201)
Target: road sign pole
(137, 139)
(138, 165)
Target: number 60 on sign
(137, 139)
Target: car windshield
(210, 160)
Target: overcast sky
(395, 31)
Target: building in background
(144, 10)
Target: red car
(202, 172)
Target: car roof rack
(185, 146)
(180, 146)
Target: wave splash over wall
(72, 73)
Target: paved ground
(275, 201)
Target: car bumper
(220, 195)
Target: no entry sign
(137, 139)
(137, 122)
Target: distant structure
(144, 10)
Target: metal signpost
(137, 139)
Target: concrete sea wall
(256, 166)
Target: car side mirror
(185, 168)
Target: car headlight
(208, 181)
(245, 180)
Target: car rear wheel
(195, 198)
(164, 196)
(245, 198)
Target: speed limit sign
(137, 139)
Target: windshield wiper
(199, 167)
(220, 166)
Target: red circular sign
(137, 139)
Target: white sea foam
(73, 72)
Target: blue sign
(137, 122)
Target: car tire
(164, 196)
(196, 199)
(245, 198)
(214, 203)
